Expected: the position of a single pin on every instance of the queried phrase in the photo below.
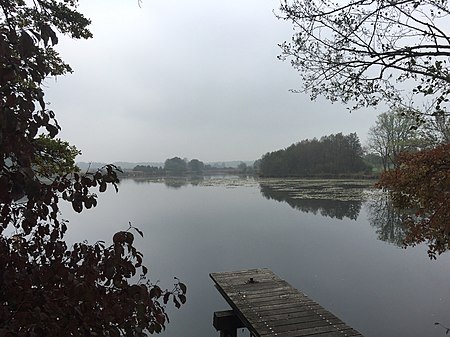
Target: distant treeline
(336, 155)
(177, 166)
(153, 170)
(330, 155)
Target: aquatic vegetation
(321, 189)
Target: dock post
(227, 323)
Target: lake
(335, 241)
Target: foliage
(196, 166)
(48, 290)
(152, 170)
(54, 156)
(373, 160)
(421, 183)
(179, 167)
(435, 131)
(175, 166)
(46, 287)
(242, 167)
(367, 51)
(334, 154)
(392, 134)
(257, 166)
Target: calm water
(323, 238)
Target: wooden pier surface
(269, 306)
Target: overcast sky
(189, 78)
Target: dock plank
(269, 306)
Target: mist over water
(322, 237)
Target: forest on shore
(335, 155)
(332, 155)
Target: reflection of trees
(172, 182)
(146, 180)
(327, 207)
(387, 220)
(176, 182)
(196, 180)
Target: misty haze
(198, 168)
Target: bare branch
(370, 44)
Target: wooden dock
(269, 306)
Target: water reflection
(342, 199)
(226, 224)
(386, 219)
(335, 199)
(174, 182)
(178, 182)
